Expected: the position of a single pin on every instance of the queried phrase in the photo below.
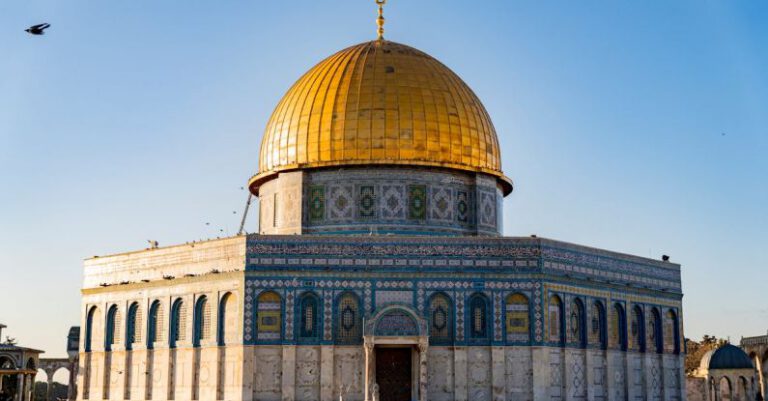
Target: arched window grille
(226, 327)
(113, 328)
(478, 315)
(518, 319)
(133, 326)
(178, 323)
(555, 317)
(578, 332)
(637, 330)
(440, 320)
(308, 316)
(349, 326)
(92, 329)
(201, 321)
(654, 331)
(269, 311)
(597, 332)
(671, 334)
(618, 339)
(155, 332)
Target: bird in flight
(38, 29)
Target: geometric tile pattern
(393, 202)
(340, 202)
(442, 204)
(417, 202)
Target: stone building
(18, 367)
(757, 349)
(725, 374)
(380, 270)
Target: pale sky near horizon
(638, 127)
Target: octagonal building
(380, 271)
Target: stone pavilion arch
(396, 335)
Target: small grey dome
(727, 357)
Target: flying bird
(38, 29)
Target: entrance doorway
(393, 373)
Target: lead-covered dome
(727, 356)
(380, 103)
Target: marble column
(19, 387)
(369, 377)
(423, 348)
(48, 389)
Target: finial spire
(380, 19)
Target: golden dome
(379, 103)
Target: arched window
(155, 332)
(671, 334)
(440, 320)
(133, 326)
(578, 323)
(348, 329)
(269, 312)
(518, 319)
(655, 337)
(202, 321)
(178, 323)
(555, 317)
(227, 327)
(309, 319)
(637, 330)
(113, 328)
(597, 334)
(91, 331)
(618, 338)
(725, 389)
(478, 314)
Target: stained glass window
(555, 310)
(440, 318)
(348, 330)
(597, 324)
(577, 326)
(478, 316)
(269, 312)
(618, 328)
(671, 338)
(636, 330)
(517, 318)
(654, 331)
(309, 317)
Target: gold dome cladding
(381, 103)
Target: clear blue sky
(640, 127)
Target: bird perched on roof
(38, 29)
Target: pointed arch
(440, 319)
(201, 321)
(655, 335)
(671, 333)
(133, 326)
(309, 317)
(269, 312)
(479, 330)
(155, 324)
(555, 320)
(637, 329)
(91, 330)
(518, 318)
(178, 327)
(112, 333)
(618, 338)
(227, 325)
(578, 323)
(348, 319)
(597, 329)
